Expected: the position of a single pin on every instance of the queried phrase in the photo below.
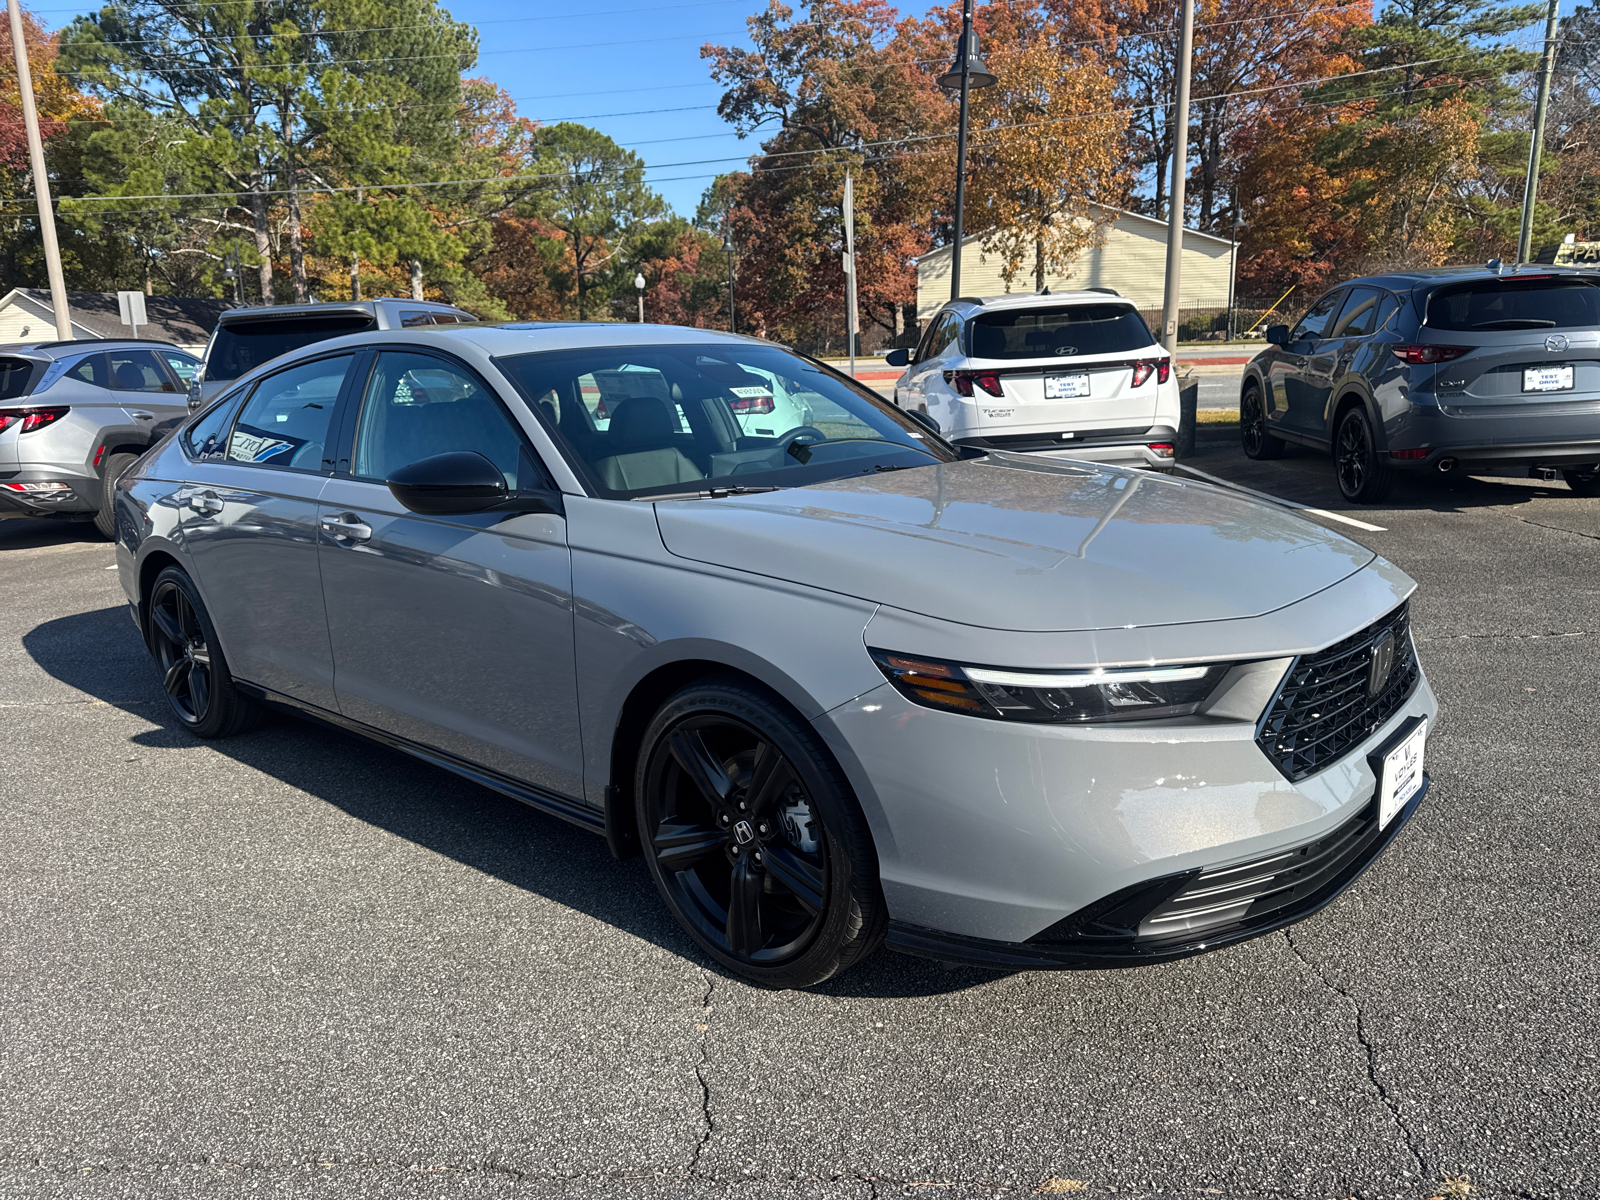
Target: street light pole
(733, 324)
(41, 181)
(967, 72)
(1180, 173)
(638, 282)
(1531, 190)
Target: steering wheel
(810, 432)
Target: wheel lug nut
(741, 806)
(758, 856)
(723, 819)
(736, 851)
(762, 828)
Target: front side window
(1550, 303)
(137, 371)
(1316, 321)
(1359, 316)
(418, 406)
(285, 421)
(683, 418)
(1062, 332)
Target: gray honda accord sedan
(842, 683)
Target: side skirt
(554, 803)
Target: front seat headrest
(641, 422)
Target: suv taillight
(962, 381)
(1161, 367)
(1418, 355)
(30, 418)
(751, 405)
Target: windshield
(1059, 332)
(246, 345)
(1548, 303)
(665, 420)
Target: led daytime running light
(1079, 679)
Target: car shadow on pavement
(98, 653)
(19, 533)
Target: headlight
(1057, 697)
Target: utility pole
(1180, 172)
(967, 72)
(850, 268)
(41, 181)
(1530, 191)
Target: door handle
(348, 526)
(205, 502)
(142, 416)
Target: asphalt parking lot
(299, 965)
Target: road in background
(298, 964)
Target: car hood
(1010, 542)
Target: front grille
(1323, 709)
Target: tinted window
(1315, 323)
(91, 370)
(418, 406)
(246, 345)
(1059, 332)
(137, 371)
(1359, 316)
(16, 377)
(1517, 304)
(285, 421)
(411, 318)
(207, 438)
(183, 366)
(674, 423)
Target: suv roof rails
(92, 341)
(978, 300)
(1107, 291)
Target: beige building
(1132, 261)
(26, 315)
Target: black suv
(1438, 370)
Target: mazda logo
(1556, 343)
(1380, 662)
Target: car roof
(1430, 276)
(329, 308)
(525, 337)
(972, 305)
(54, 350)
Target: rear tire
(200, 689)
(1258, 443)
(1583, 482)
(754, 837)
(1364, 478)
(105, 518)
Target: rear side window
(1059, 332)
(1516, 304)
(245, 345)
(410, 318)
(91, 370)
(1359, 317)
(137, 371)
(16, 377)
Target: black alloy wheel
(195, 677)
(1583, 481)
(733, 798)
(1363, 477)
(1253, 434)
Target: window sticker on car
(751, 391)
(257, 446)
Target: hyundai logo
(1380, 662)
(1556, 343)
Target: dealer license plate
(1065, 387)
(1402, 774)
(1547, 379)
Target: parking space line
(1305, 508)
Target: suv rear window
(1059, 332)
(1517, 304)
(16, 377)
(245, 345)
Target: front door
(249, 523)
(1308, 366)
(452, 632)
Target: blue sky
(626, 67)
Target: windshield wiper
(1516, 323)
(716, 493)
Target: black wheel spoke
(795, 874)
(708, 774)
(744, 909)
(199, 690)
(680, 847)
(186, 618)
(167, 623)
(177, 674)
(770, 777)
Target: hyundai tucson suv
(247, 337)
(1071, 374)
(1427, 372)
(73, 415)
(842, 686)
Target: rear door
(1069, 368)
(1532, 348)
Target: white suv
(1073, 375)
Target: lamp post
(727, 244)
(966, 72)
(638, 282)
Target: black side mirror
(464, 481)
(897, 358)
(1278, 335)
(922, 418)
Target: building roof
(1121, 212)
(182, 320)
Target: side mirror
(463, 481)
(194, 394)
(922, 418)
(897, 358)
(1278, 335)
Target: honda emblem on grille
(1556, 343)
(1380, 663)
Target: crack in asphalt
(700, 1075)
(1371, 1057)
(1593, 537)
(1509, 637)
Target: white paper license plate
(1547, 379)
(1065, 387)
(1402, 774)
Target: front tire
(105, 518)
(1583, 482)
(754, 837)
(1254, 437)
(200, 690)
(1364, 478)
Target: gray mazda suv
(73, 415)
(1459, 368)
(842, 683)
